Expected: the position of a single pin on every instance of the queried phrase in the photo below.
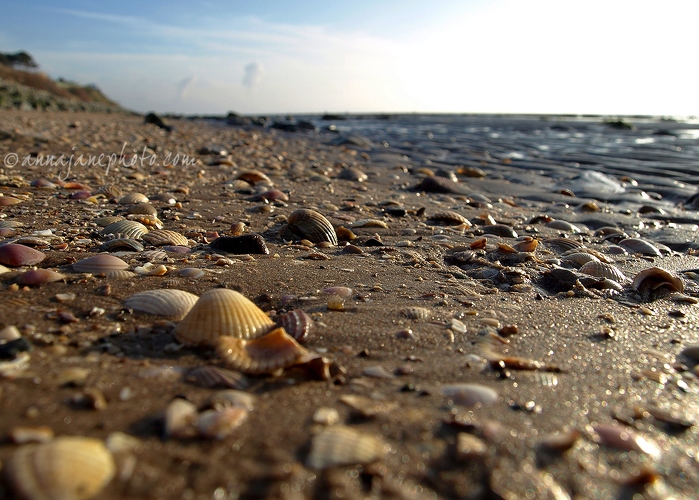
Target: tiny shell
(624, 438)
(370, 223)
(578, 259)
(244, 244)
(232, 397)
(450, 218)
(166, 302)
(500, 230)
(16, 255)
(254, 176)
(221, 312)
(150, 269)
(352, 174)
(415, 313)
(178, 419)
(38, 277)
(341, 445)
(133, 198)
(270, 195)
(265, 354)
(432, 184)
(563, 226)
(638, 245)
(603, 270)
(342, 291)
(297, 323)
(105, 221)
(563, 244)
(470, 394)
(219, 424)
(312, 225)
(191, 272)
(213, 376)
(68, 467)
(100, 263)
(161, 237)
(469, 446)
(126, 229)
(654, 278)
(120, 245)
(120, 274)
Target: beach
(457, 350)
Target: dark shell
(441, 185)
(500, 230)
(297, 323)
(245, 244)
(270, 195)
(121, 244)
(352, 174)
(142, 208)
(312, 225)
(15, 255)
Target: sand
(563, 359)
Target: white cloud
(253, 75)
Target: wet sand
(431, 305)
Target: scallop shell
(105, 221)
(111, 191)
(142, 209)
(120, 274)
(579, 259)
(154, 255)
(654, 278)
(312, 225)
(167, 302)
(265, 354)
(415, 312)
(450, 218)
(297, 323)
(121, 245)
(133, 198)
(125, 228)
(68, 467)
(213, 376)
(638, 245)
(100, 263)
(38, 277)
(16, 255)
(161, 237)
(221, 312)
(603, 270)
(339, 445)
(470, 394)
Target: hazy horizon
(460, 57)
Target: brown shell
(254, 176)
(221, 312)
(133, 198)
(166, 302)
(312, 225)
(110, 219)
(654, 278)
(450, 218)
(500, 230)
(16, 255)
(68, 467)
(100, 263)
(38, 277)
(297, 324)
(528, 244)
(161, 237)
(578, 259)
(142, 209)
(147, 220)
(265, 354)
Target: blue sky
(256, 57)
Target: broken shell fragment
(16, 255)
(265, 354)
(167, 302)
(312, 225)
(100, 263)
(221, 312)
(68, 467)
(341, 445)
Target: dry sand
(599, 357)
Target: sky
(612, 57)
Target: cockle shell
(654, 278)
(213, 376)
(126, 229)
(16, 255)
(312, 225)
(142, 209)
(638, 245)
(121, 244)
(265, 354)
(603, 270)
(339, 445)
(100, 263)
(161, 237)
(221, 312)
(147, 220)
(166, 302)
(105, 221)
(564, 244)
(297, 323)
(450, 218)
(69, 467)
(133, 198)
(579, 259)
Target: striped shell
(105, 221)
(221, 312)
(265, 354)
(166, 302)
(297, 324)
(213, 376)
(603, 270)
(161, 237)
(120, 245)
(578, 259)
(638, 245)
(133, 198)
(100, 263)
(126, 229)
(111, 191)
(120, 274)
(415, 312)
(312, 225)
(147, 220)
(142, 209)
(450, 218)
(339, 445)
(654, 278)
(69, 467)
(563, 244)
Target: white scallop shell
(166, 302)
(125, 228)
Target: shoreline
(431, 305)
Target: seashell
(603, 270)
(178, 419)
(500, 230)
(450, 218)
(654, 278)
(42, 184)
(221, 312)
(120, 274)
(150, 269)
(297, 323)
(125, 228)
(579, 259)
(245, 244)
(100, 263)
(341, 291)
(471, 172)
(32, 241)
(270, 195)
(8, 201)
(469, 447)
(16, 255)
(638, 245)
(72, 467)
(528, 244)
(38, 277)
(344, 234)
(339, 445)
(132, 199)
(433, 184)
(10, 224)
(563, 226)
(147, 220)
(326, 416)
(416, 313)
(624, 438)
(369, 223)
(192, 272)
(559, 442)
(154, 255)
(265, 354)
(166, 302)
(121, 245)
(105, 221)
(142, 209)
(310, 224)
(352, 174)
(470, 394)
(161, 237)
(213, 376)
(176, 249)
(219, 424)
(254, 177)
(111, 191)
(232, 397)
(563, 244)
(368, 407)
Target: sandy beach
(457, 349)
